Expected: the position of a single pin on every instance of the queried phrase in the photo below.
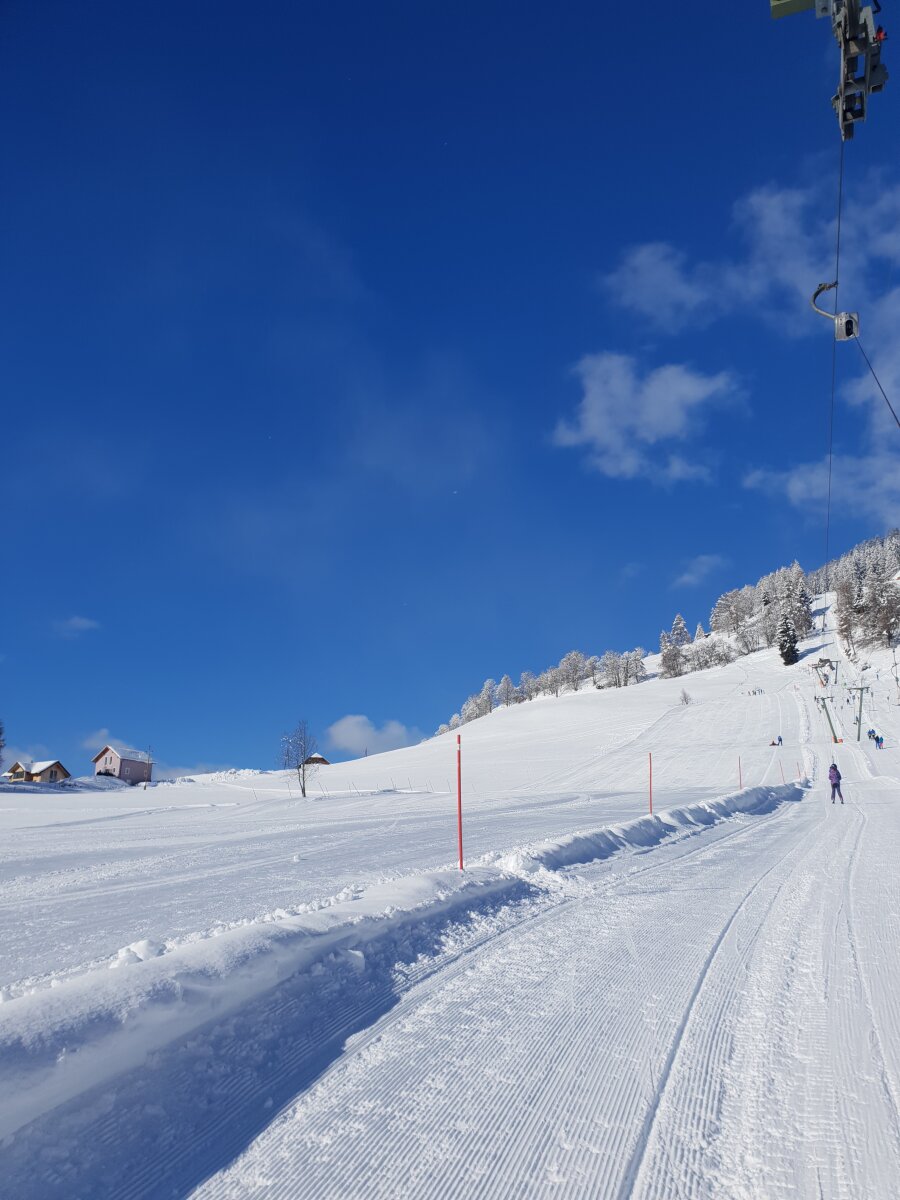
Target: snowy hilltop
(220, 988)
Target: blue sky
(353, 354)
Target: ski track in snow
(701, 1007)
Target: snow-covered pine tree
(487, 697)
(880, 612)
(699, 632)
(787, 640)
(844, 609)
(804, 609)
(679, 635)
(672, 661)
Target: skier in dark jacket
(834, 778)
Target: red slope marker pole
(459, 797)
(650, 757)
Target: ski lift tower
(862, 71)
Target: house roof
(135, 755)
(128, 755)
(36, 768)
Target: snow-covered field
(218, 988)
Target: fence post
(650, 757)
(459, 797)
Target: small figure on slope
(834, 778)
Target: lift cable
(878, 381)
(837, 264)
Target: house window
(52, 775)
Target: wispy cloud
(356, 734)
(699, 568)
(36, 752)
(628, 419)
(866, 483)
(163, 770)
(786, 249)
(102, 737)
(73, 627)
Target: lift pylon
(860, 41)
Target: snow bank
(60, 1041)
(643, 833)
(57, 1042)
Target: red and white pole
(459, 797)
(650, 757)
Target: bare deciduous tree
(506, 692)
(297, 748)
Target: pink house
(133, 766)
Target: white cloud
(102, 737)
(656, 280)
(357, 735)
(163, 770)
(788, 248)
(697, 569)
(73, 627)
(36, 752)
(623, 414)
(866, 483)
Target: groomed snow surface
(216, 988)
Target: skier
(780, 742)
(880, 35)
(834, 778)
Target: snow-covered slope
(604, 1003)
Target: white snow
(216, 987)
